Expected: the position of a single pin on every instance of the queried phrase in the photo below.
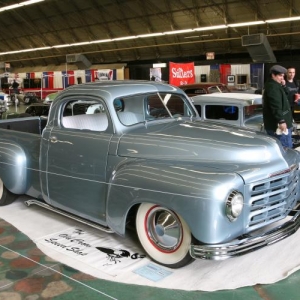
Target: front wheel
(6, 197)
(164, 235)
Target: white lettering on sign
(180, 73)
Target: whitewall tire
(6, 197)
(164, 235)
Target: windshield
(252, 110)
(147, 107)
(218, 89)
(214, 89)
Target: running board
(63, 213)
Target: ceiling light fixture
(100, 41)
(191, 37)
(13, 6)
(80, 44)
(125, 38)
(246, 24)
(283, 20)
(159, 65)
(210, 28)
(62, 46)
(178, 31)
(149, 35)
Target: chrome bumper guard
(247, 244)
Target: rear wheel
(6, 197)
(164, 235)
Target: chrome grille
(272, 199)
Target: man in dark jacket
(277, 115)
(15, 86)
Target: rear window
(221, 112)
(199, 91)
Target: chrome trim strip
(246, 245)
(63, 213)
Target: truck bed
(29, 124)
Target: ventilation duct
(79, 60)
(258, 47)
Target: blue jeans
(285, 139)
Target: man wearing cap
(277, 115)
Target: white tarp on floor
(110, 257)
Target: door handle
(53, 139)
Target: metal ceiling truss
(56, 22)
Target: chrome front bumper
(246, 244)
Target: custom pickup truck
(118, 153)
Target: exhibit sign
(155, 74)
(210, 55)
(181, 73)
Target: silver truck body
(164, 156)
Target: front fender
(13, 167)
(195, 192)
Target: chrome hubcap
(164, 229)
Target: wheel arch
(124, 200)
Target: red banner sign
(181, 73)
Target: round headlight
(234, 205)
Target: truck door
(75, 151)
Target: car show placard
(103, 252)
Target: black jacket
(292, 88)
(276, 107)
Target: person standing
(15, 86)
(277, 114)
(292, 87)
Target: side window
(85, 115)
(223, 112)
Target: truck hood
(226, 148)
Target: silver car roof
(233, 98)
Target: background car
(4, 98)
(238, 109)
(204, 88)
(28, 97)
(35, 109)
(50, 97)
(38, 109)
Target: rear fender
(13, 170)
